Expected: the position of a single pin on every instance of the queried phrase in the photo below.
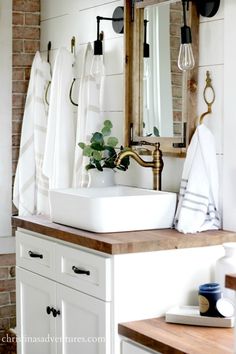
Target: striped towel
(198, 208)
(30, 194)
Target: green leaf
(89, 166)
(108, 124)
(156, 131)
(97, 147)
(112, 141)
(98, 165)
(82, 145)
(106, 131)
(87, 151)
(97, 138)
(97, 155)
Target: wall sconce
(206, 8)
(118, 26)
(185, 58)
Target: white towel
(60, 139)
(198, 207)
(30, 194)
(89, 118)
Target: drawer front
(84, 271)
(35, 254)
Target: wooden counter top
(230, 281)
(172, 338)
(124, 242)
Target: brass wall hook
(208, 102)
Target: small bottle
(226, 265)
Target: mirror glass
(162, 86)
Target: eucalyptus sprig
(102, 150)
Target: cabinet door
(35, 327)
(84, 323)
(131, 348)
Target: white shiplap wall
(63, 19)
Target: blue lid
(209, 287)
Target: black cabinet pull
(80, 271)
(49, 309)
(56, 312)
(35, 255)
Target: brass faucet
(156, 164)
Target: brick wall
(26, 39)
(7, 296)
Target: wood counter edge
(124, 242)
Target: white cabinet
(34, 294)
(53, 318)
(131, 348)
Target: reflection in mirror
(162, 79)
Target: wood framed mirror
(162, 110)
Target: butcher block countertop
(173, 338)
(123, 242)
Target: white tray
(190, 315)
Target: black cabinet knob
(56, 312)
(80, 271)
(49, 310)
(35, 255)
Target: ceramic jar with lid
(226, 265)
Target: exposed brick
(27, 73)
(18, 74)
(12, 272)
(7, 259)
(31, 46)
(15, 153)
(16, 127)
(4, 323)
(4, 298)
(17, 114)
(7, 285)
(3, 272)
(177, 116)
(17, 46)
(32, 19)
(26, 32)
(16, 140)
(22, 59)
(12, 322)
(13, 297)
(19, 86)
(26, 5)
(7, 311)
(18, 100)
(14, 165)
(18, 18)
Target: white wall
(63, 19)
(5, 117)
(229, 148)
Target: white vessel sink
(112, 209)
